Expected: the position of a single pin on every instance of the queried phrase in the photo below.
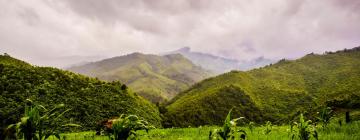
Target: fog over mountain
(61, 33)
(218, 64)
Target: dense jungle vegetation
(89, 99)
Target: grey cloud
(49, 31)
(29, 16)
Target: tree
(1, 67)
(124, 87)
(347, 117)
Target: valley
(274, 93)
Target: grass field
(332, 132)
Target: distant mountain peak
(135, 54)
(184, 49)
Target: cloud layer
(59, 33)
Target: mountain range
(217, 64)
(156, 78)
(276, 92)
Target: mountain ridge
(278, 90)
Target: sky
(63, 32)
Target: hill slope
(91, 100)
(156, 78)
(273, 93)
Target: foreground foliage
(39, 123)
(333, 132)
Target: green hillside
(275, 92)
(91, 100)
(156, 78)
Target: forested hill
(89, 99)
(156, 78)
(275, 92)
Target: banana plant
(228, 130)
(40, 123)
(303, 130)
(325, 116)
(268, 128)
(126, 126)
(251, 126)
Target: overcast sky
(63, 32)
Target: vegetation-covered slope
(156, 78)
(89, 99)
(274, 93)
